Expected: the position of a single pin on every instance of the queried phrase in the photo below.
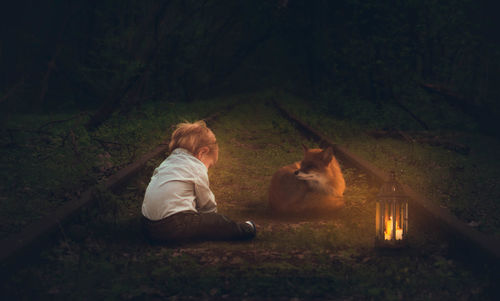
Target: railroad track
(472, 240)
(33, 238)
(19, 246)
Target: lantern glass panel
(391, 214)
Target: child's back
(178, 203)
(179, 184)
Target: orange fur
(314, 184)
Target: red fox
(314, 184)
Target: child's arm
(205, 199)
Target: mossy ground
(48, 160)
(104, 256)
(464, 182)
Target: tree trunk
(52, 63)
(129, 89)
(45, 81)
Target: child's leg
(214, 226)
(192, 225)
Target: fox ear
(305, 147)
(327, 154)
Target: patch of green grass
(328, 256)
(467, 183)
(47, 160)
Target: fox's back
(337, 179)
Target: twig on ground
(79, 115)
(131, 148)
(104, 142)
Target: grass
(466, 183)
(104, 256)
(47, 160)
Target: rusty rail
(31, 239)
(474, 241)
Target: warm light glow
(388, 230)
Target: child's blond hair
(192, 136)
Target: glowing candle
(389, 229)
(399, 234)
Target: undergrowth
(47, 160)
(103, 254)
(450, 164)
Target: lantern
(391, 216)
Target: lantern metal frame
(391, 215)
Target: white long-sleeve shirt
(180, 183)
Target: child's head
(198, 139)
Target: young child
(178, 203)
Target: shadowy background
(110, 55)
(88, 87)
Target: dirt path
(255, 140)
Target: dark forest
(90, 88)
(73, 55)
